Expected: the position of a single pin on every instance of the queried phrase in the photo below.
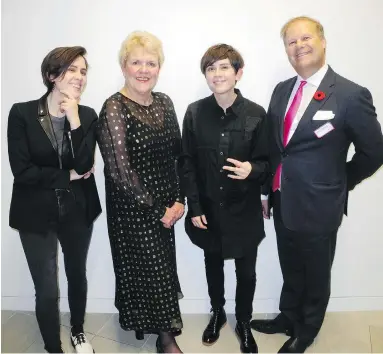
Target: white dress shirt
(309, 90)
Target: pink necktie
(290, 115)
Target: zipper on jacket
(71, 145)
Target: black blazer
(38, 170)
(316, 176)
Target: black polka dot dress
(140, 145)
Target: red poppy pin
(319, 95)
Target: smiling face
(141, 71)
(221, 76)
(305, 48)
(74, 79)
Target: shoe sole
(206, 344)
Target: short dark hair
(219, 52)
(57, 62)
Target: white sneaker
(80, 343)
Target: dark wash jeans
(40, 249)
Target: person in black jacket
(51, 147)
(223, 164)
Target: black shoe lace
(79, 338)
(213, 324)
(246, 331)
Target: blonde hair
(317, 24)
(141, 39)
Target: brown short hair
(317, 24)
(57, 62)
(219, 52)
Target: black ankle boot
(217, 321)
(246, 339)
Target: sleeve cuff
(63, 180)
(195, 209)
(257, 170)
(159, 211)
(180, 200)
(77, 135)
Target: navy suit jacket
(316, 176)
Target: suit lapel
(327, 86)
(282, 110)
(45, 121)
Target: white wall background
(354, 32)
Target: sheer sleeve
(177, 193)
(112, 132)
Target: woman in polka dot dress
(139, 139)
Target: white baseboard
(190, 306)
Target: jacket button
(285, 154)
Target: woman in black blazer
(51, 146)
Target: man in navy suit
(313, 118)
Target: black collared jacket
(39, 171)
(232, 207)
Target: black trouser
(41, 253)
(246, 279)
(306, 260)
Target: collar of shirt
(317, 78)
(235, 108)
